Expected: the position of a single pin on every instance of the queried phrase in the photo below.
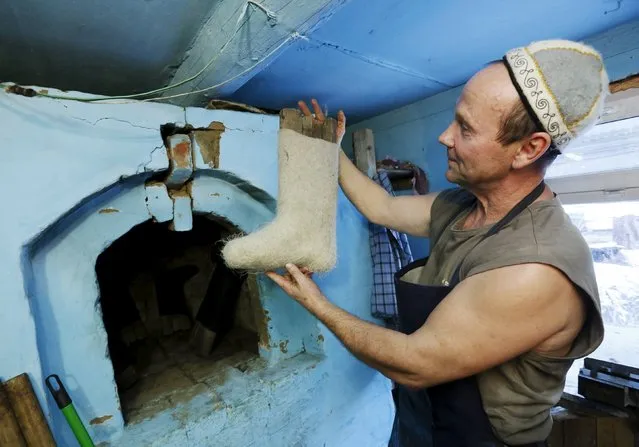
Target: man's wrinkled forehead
(489, 91)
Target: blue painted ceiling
(376, 55)
(365, 56)
(103, 47)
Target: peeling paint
(101, 419)
(22, 91)
(215, 194)
(108, 210)
(181, 153)
(209, 143)
(320, 338)
(284, 346)
(181, 160)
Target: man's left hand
(298, 284)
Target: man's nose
(446, 138)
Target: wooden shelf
(397, 174)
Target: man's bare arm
(487, 319)
(406, 214)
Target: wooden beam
(10, 433)
(258, 37)
(28, 413)
(625, 84)
(615, 432)
(580, 432)
(364, 151)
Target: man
(493, 319)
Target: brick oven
(112, 218)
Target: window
(612, 232)
(601, 166)
(598, 183)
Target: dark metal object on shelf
(610, 383)
(401, 179)
(397, 174)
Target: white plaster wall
(59, 152)
(56, 152)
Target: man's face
(475, 157)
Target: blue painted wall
(411, 132)
(68, 161)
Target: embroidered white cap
(562, 83)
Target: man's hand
(297, 283)
(320, 118)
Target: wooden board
(614, 432)
(364, 151)
(10, 433)
(295, 120)
(580, 432)
(625, 84)
(588, 431)
(28, 413)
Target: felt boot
(303, 231)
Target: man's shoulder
(544, 229)
(543, 234)
(556, 233)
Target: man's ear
(531, 149)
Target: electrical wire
(292, 36)
(270, 16)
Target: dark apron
(450, 414)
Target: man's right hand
(319, 117)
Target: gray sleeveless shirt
(517, 395)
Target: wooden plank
(329, 130)
(364, 151)
(580, 432)
(556, 438)
(295, 120)
(626, 433)
(10, 433)
(625, 84)
(291, 119)
(615, 432)
(307, 126)
(28, 413)
(606, 432)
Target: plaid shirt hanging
(390, 252)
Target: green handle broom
(65, 404)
